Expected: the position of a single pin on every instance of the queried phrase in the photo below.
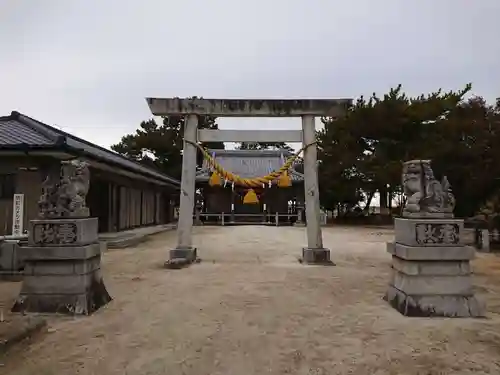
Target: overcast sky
(87, 65)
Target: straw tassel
(250, 197)
(284, 180)
(215, 179)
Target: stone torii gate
(307, 109)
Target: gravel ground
(251, 308)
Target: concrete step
(132, 237)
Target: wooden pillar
(111, 207)
(141, 209)
(155, 208)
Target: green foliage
(364, 150)
(264, 146)
(470, 153)
(160, 145)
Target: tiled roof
(18, 131)
(11, 132)
(249, 163)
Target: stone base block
(429, 232)
(432, 268)
(453, 306)
(10, 259)
(57, 253)
(301, 224)
(183, 254)
(428, 215)
(316, 256)
(431, 253)
(62, 267)
(64, 294)
(432, 284)
(63, 232)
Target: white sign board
(18, 215)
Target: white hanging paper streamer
(269, 170)
(225, 182)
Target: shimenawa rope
(248, 182)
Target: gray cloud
(87, 65)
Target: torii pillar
(307, 109)
(185, 250)
(314, 252)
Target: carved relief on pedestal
(442, 234)
(425, 196)
(65, 196)
(54, 233)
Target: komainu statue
(425, 196)
(66, 196)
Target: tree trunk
(390, 196)
(383, 201)
(368, 201)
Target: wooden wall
(133, 207)
(120, 203)
(27, 177)
(217, 199)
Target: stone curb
(123, 243)
(134, 240)
(12, 276)
(20, 336)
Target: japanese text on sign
(444, 234)
(18, 215)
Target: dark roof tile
(18, 130)
(249, 163)
(12, 132)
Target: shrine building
(224, 199)
(123, 193)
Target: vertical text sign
(17, 215)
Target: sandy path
(251, 308)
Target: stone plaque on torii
(307, 109)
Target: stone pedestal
(431, 272)
(63, 268)
(197, 218)
(11, 261)
(299, 222)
